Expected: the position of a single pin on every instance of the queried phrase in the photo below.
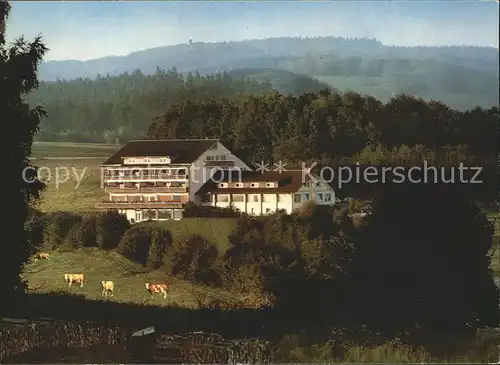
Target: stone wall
(18, 339)
(197, 347)
(207, 348)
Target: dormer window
(238, 185)
(270, 185)
(254, 185)
(222, 185)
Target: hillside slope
(129, 279)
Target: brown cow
(42, 256)
(157, 288)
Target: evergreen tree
(18, 76)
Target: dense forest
(328, 125)
(332, 128)
(113, 109)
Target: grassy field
(72, 185)
(68, 149)
(129, 279)
(72, 174)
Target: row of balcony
(135, 177)
(109, 204)
(145, 189)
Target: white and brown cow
(74, 278)
(157, 288)
(108, 288)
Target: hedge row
(68, 230)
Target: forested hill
(113, 109)
(462, 77)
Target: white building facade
(259, 194)
(153, 179)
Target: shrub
(193, 259)
(145, 244)
(72, 230)
(56, 227)
(109, 229)
(160, 240)
(83, 233)
(134, 244)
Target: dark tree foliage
(328, 125)
(193, 259)
(18, 76)
(146, 245)
(331, 128)
(423, 263)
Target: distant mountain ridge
(460, 76)
(211, 57)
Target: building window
(269, 185)
(254, 185)
(164, 214)
(255, 199)
(206, 198)
(177, 197)
(150, 214)
(297, 198)
(223, 185)
(138, 215)
(220, 158)
(134, 198)
(327, 197)
(238, 198)
(319, 197)
(210, 158)
(305, 197)
(223, 198)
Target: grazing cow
(41, 256)
(157, 288)
(74, 278)
(108, 287)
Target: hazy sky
(93, 29)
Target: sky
(94, 29)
